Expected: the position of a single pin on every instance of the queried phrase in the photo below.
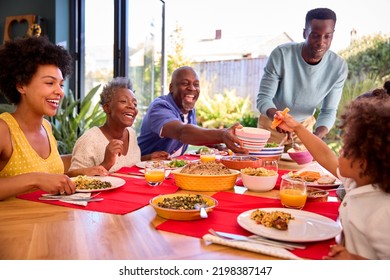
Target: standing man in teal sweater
(302, 76)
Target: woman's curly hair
(20, 58)
(366, 125)
(110, 89)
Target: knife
(87, 199)
(136, 174)
(258, 239)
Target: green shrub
(68, 125)
(7, 108)
(249, 120)
(222, 110)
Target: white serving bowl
(252, 140)
(273, 149)
(250, 133)
(259, 183)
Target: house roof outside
(233, 63)
(221, 48)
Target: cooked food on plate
(206, 168)
(274, 219)
(277, 122)
(271, 145)
(326, 180)
(308, 176)
(313, 176)
(182, 202)
(88, 183)
(260, 171)
(176, 163)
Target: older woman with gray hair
(113, 145)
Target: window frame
(121, 63)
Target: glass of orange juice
(293, 193)
(207, 155)
(154, 173)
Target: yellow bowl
(183, 215)
(206, 183)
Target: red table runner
(230, 205)
(133, 195)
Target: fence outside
(241, 75)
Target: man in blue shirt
(301, 76)
(170, 122)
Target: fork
(333, 189)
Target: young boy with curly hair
(364, 168)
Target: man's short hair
(319, 13)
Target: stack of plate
(253, 139)
(272, 153)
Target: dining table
(125, 226)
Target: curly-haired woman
(32, 76)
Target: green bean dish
(184, 202)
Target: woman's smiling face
(45, 90)
(123, 107)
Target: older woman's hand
(159, 155)
(94, 171)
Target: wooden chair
(66, 159)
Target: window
(145, 50)
(99, 43)
(95, 38)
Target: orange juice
(293, 198)
(207, 158)
(154, 176)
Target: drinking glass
(154, 173)
(207, 155)
(293, 193)
(271, 165)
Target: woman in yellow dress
(32, 76)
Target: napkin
(253, 247)
(77, 195)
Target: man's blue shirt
(161, 111)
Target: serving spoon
(326, 190)
(201, 207)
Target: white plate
(306, 226)
(142, 164)
(315, 184)
(217, 153)
(115, 182)
(286, 156)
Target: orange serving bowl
(175, 214)
(207, 183)
(240, 162)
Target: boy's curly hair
(366, 125)
(20, 58)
